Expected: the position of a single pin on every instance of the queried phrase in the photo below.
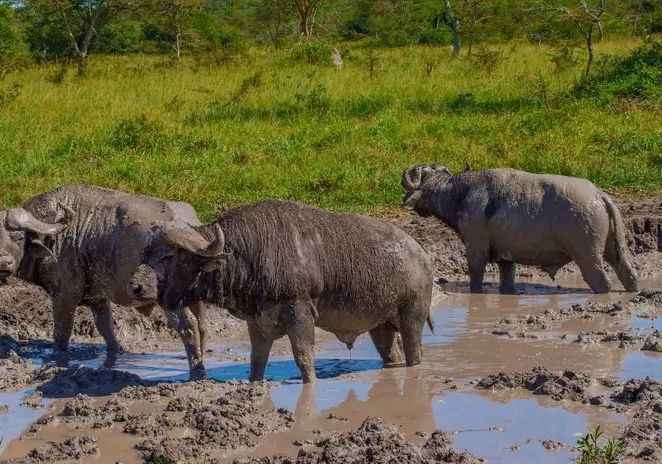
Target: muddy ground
(569, 359)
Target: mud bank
(639, 399)
(645, 309)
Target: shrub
(637, 76)
(313, 52)
(592, 453)
(436, 36)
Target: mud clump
(96, 382)
(541, 381)
(375, 441)
(227, 415)
(81, 406)
(75, 448)
(15, 375)
(638, 390)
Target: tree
(273, 19)
(473, 11)
(586, 16)
(80, 20)
(454, 23)
(176, 11)
(305, 11)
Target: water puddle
(646, 325)
(19, 417)
(638, 365)
(505, 427)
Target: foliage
(271, 127)
(637, 76)
(592, 453)
(13, 49)
(313, 52)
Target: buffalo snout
(143, 287)
(7, 266)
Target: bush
(636, 77)
(436, 36)
(313, 52)
(13, 50)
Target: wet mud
(505, 378)
(374, 441)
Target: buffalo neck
(446, 195)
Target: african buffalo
(94, 257)
(508, 217)
(288, 268)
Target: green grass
(268, 126)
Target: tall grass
(270, 126)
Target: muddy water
(507, 426)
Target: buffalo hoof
(508, 291)
(197, 373)
(61, 358)
(391, 365)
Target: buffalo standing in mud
(508, 217)
(91, 259)
(288, 268)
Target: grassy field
(265, 126)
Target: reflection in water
(507, 427)
(490, 429)
(19, 417)
(638, 365)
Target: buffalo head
(177, 264)
(420, 183)
(21, 234)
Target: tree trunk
(306, 19)
(589, 46)
(455, 26)
(82, 63)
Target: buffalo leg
(507, 278)
(64, 312)
(593, 272)
(477, 262)
(103, 319)
(186, 325)
(297, 319)
(388, 344)
(199, 310)
(411, 329)
(624, 270)
(260, 348)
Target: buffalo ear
(38, 248)
(411, 178)
(411, 198)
